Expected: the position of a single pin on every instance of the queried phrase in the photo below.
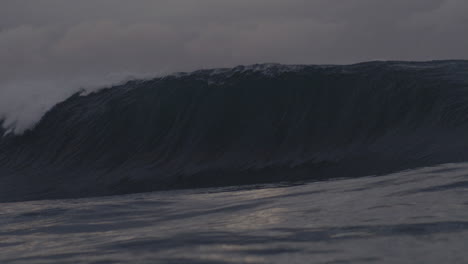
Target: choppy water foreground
(418, 216)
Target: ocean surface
(414, 216)
(267, 163)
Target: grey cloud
(50, 48)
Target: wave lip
(249, 124)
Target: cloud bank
(51, 48)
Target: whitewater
(268, 163)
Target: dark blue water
(246, 125)
(259, 164)
(417, 216)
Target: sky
(51, 48)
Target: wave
(245, 125)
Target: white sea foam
(23, 103)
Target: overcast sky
(50, 48)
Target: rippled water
(418, 216)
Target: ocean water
(139, 172)
(414, 216)
(253, 124)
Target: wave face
(255, 124)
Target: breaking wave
(255, 124)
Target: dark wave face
(256, 124)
